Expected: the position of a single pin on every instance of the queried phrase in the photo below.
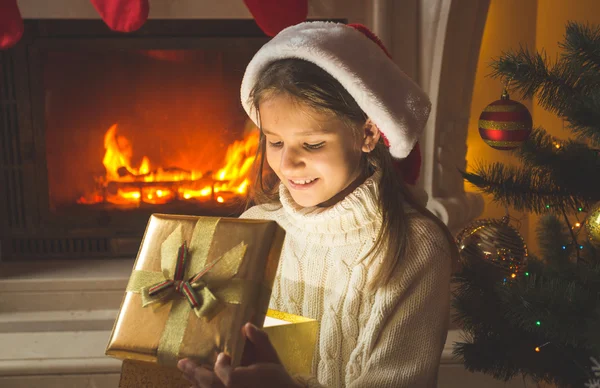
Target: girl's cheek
(272, 161)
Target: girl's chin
(304, 201)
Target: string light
(564, 247)
(526, 273)
(514, 275)
(547, 206)
(577, 225)
(539, 348)
(581, 247)
(580, 209)
(538, 323)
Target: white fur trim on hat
(395, 103)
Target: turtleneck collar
(344, 221)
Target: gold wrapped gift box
(195, 283)
(293, 337)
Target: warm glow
(513, 275)
(577, 224)
(127, 184)
(537, 349)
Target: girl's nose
(291, 161)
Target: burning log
(124, 172)
(113, 187)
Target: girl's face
(314, 154)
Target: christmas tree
(539, 316)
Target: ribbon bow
(202, 304)
(177, 261)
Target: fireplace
(100, 130)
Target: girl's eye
(314, 146)
(277, 144)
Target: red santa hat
(355, 57)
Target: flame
(126, 184)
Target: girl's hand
(264, 367)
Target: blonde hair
(313, 87)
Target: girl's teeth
(303, 182)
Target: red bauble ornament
(505, 124)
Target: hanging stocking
(11, 24)
(273, 16)
(123, 15)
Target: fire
(126, 184)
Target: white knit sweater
(391, 338)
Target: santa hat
(356, 58)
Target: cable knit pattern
(390, 338)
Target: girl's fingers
(223, 369)
(265, 350)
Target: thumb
(265, 351)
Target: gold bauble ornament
(592, 225)
(496, 242)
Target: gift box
(195, 283)
(293, 337)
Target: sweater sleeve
(403, 341)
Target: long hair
(313, 87)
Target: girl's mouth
(302, 184)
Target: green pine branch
(569, 165)
(500, 339)
(531, 189)
(556, 308)
(552, 236)
(582, 48)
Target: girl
(362, 255)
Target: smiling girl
(362, 255)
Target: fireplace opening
(102, 129)
(132, 128)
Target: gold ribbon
(210, 283)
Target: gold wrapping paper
(293, 337)
(172, 325)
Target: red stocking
(123, 15)
(273, 16)
(11, 24)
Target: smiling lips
(300, 184)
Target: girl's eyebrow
(303, 133)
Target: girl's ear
(371, 136)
